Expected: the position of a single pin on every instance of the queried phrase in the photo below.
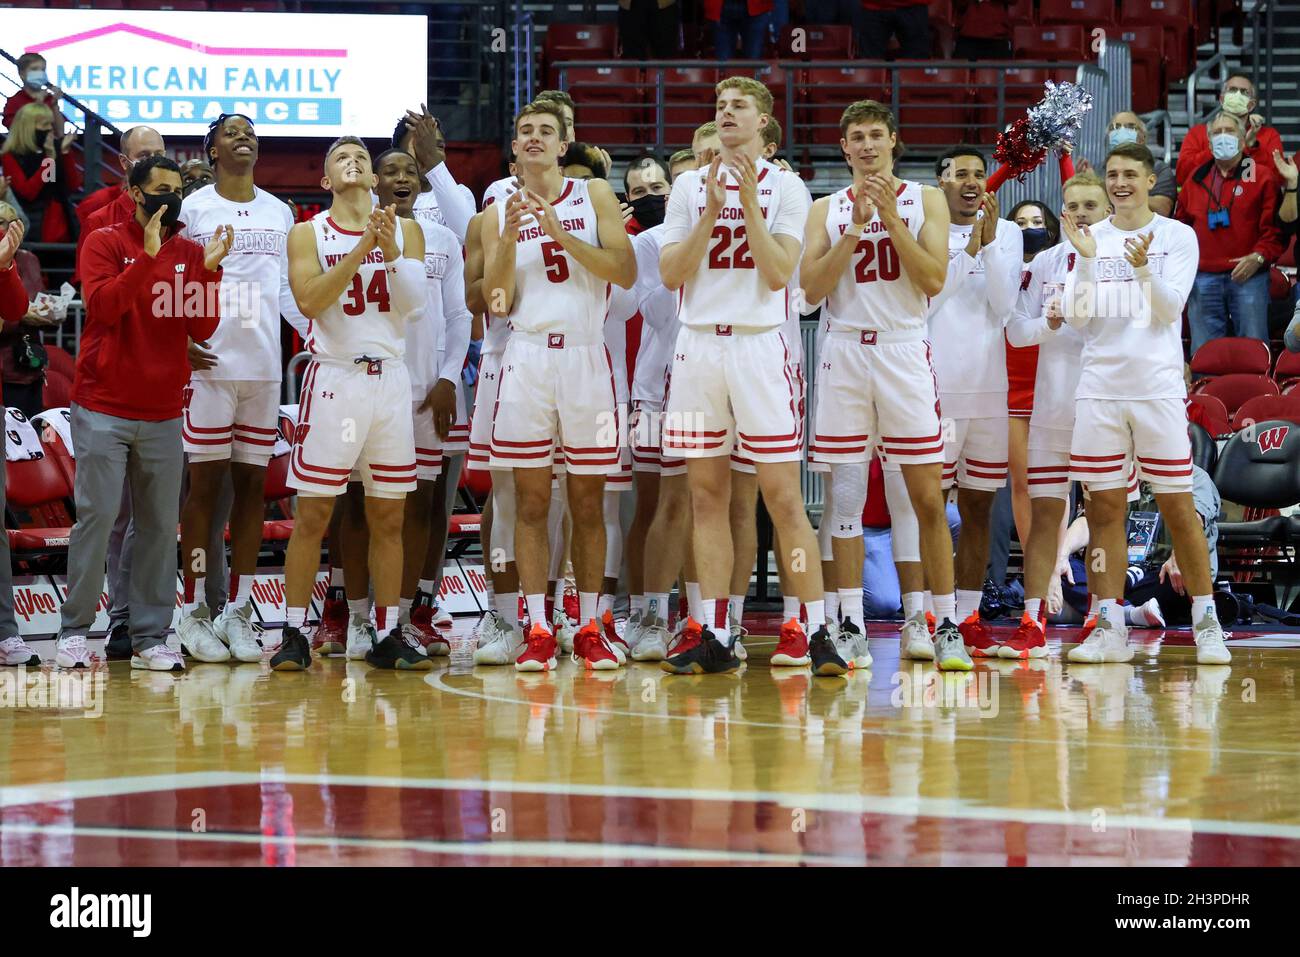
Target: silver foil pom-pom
(1058, 117)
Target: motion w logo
(1273, 438)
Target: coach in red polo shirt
(147, 291)
(1231, 202)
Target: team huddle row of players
(917, 287)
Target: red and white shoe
(331, 638)
(977, 637)
(689, 634)
(930, 622)
(622, 651)
(792, 648)
(592, 649)
(432, 637)
(441, 619)
(1029, 641)
(1088, 625)
(539, 651)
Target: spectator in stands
(127, 402)
(1128, 127)
(1232, 206)
(7, 196)
(13, 305)
(43, 173)
(35, 89)
(584, 161)
(743, 21)
(195, 174)
(22, 369)
(1039, 227)
(905, 19)
(137, 143)
(1289, 174)
(680, 162)
(649, 29)
(1238, 98)
(983, 31)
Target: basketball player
(967, 319)
(1132, 276)
(357, 273)
(1038, 321)
(441, 199)
(732, 244)
(231, 408)
(436, 344)
(549, 254)
(876, 251)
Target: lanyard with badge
(1219, 216)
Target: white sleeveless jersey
(363, 322)
(875, 291)
(728, 289)
(253, 275)
(498, 191)
(553, 292)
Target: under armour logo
(681, 357)
(127, 260)
(327, 395)
(241, 212)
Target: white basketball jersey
(875, 292)
(363, 322)
(554, 293)
(728, 289)
(425, 335)
(1059, 353)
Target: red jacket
(1252, 214)
(120, 210)
(17, 101)
(713, 8)
(34, 188)
(139, 311)
(1195, 151)
(13, 297)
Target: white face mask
(1236, 102)
(1224, 145)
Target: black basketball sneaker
(294, 653)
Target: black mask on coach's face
(649, 209)
(153, 202)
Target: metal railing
(1161, 120)
(1202, 72)
(1261, 35)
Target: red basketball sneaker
(331, 637)
(616, 643)
(689, 634)
(977, 638)
(591, 648)
(792, 648)
(1029, 641)
(431, 637)
(539, 651)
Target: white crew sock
(604, 604)
(790, 607)
(968, 601)
(945, 607)
(695, 604)
(430, 587)
(336, 577)
(929, 602)
(816, 615)
(636, 605)
(587, 602)
(851, 607)
(913, 602)
(537, 611)
(656, 605)
(404, 610)
(507, 607)
(736, 609)
(359, 607)
(296, 618)
(1108, 608)
(1203, 605)
(1032, 607)
(831, 602)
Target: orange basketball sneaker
(539, 650)
(616, 643)
(1029, 641)
(792, 648)
(930, 622)
(977, 638)
(689, 634)
(592, 649)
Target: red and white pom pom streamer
(1051, 125)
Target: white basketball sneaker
(914, 640)
(158, 658)
(361, 638)
(498, 643)
(652, 643)
(1107, 643)
(199, 637)
(14, 651)
(1210, 646)
(71, 652)
(235, 628)
(565, 631)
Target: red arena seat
(1235, 389)
(1232, 354)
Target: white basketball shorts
(228, 419)
(1111, 436)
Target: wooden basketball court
(1018, 763)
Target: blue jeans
(881, 596)
(1219, 307)
(737, 22)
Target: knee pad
(503, 517)
(905, 537)
(824, 528)
(613, 533)
(849, 498)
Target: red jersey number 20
(878, 259)
(376, 294)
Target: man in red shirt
(1231, 202)
(147, 292)
(1238, 98)
(35, 89)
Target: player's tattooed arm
(499, 245)
(775, 255)
(924, 257)
(823, 261)
(474, 266)
(316, 289)
(681, 260)
(613, 260)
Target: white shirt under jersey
(363, 321)
(498, 191)
(875, 291)
(254, 281)
(727, 289)
(967, 320)
(1132, 320)
(553, 292)
(446, 202)
(1059, 352)
(445, 319)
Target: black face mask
(649, 210)
(155, 201)
(41, 137)
(1035, 239)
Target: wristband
(855, 229)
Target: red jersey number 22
(720, 253)
(376, 294)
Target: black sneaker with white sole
(395, 653)
(708, 657)
(118, 646)
(294, 653)
(825, 659)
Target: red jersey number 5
(557, 264)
